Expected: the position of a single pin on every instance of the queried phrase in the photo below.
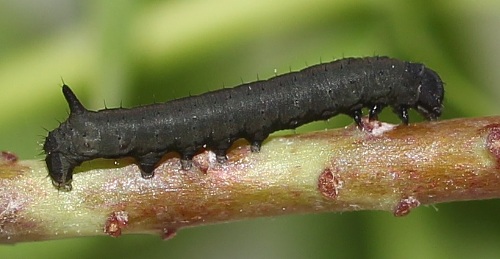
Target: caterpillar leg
(356, 115)
(256, 141)
(221, 149)
(220, 154)
(186, 158)
(221, 157)
(402, 112)
(375, 111)
(147, 164)
(255, 146)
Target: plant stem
(383, 167)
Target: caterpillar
(252, 111)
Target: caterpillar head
(60, 161)
(431, 94)
(59, 166)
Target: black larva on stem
(251, 111)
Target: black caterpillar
(252, 111)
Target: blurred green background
(131, 52)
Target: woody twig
(383, 167)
